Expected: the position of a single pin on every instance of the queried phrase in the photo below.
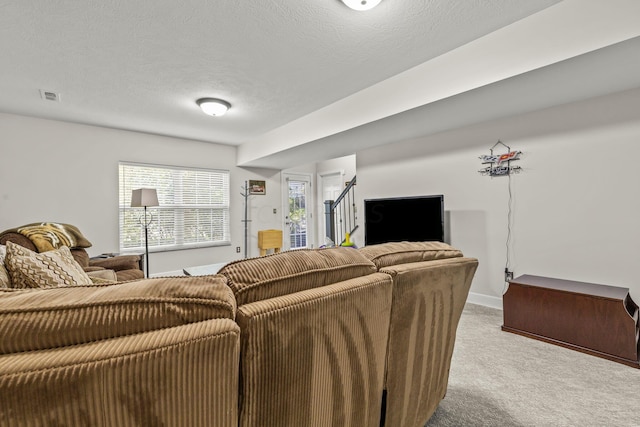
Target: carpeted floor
(503, 379)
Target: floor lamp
(144, 197)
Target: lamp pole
(146, 242)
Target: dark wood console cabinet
(596, 319)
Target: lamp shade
(144, 197)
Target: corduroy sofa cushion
(34, 319)
(186, 375)
(284, 273)
(393, 253)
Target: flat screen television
(411, 219)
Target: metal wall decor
(500, 164)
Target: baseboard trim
(486, 300)
(168, 274)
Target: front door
(298, 206)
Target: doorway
(298, 210)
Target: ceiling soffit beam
(570, 28)
(610, 70)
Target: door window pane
(298, 214)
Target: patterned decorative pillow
(5, 281)
(29, 269)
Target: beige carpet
(502, 379)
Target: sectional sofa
(328, 337)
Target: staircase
(340, 215)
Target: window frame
(222, 208)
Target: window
(193, 211)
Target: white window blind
(193, 211)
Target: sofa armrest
(119, 262)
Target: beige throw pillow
(5, 282)
(29, 269)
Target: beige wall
(575, 205)
(64, 172)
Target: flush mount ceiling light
(361, 4)
(213, 106)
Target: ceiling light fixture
(213, 106)
(361, 4)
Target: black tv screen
(411, 219)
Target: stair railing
(340, 215)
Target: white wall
(575, 205)
(64, 172)
(346, 165)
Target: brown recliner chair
(126, 267)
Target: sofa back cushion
(393, 253)
(33, 319)
(17, 238)
(287, 272)
(81, 256)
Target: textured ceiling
(569, 52)
(310, 80)
(140, 65)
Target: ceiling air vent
(49, 96)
